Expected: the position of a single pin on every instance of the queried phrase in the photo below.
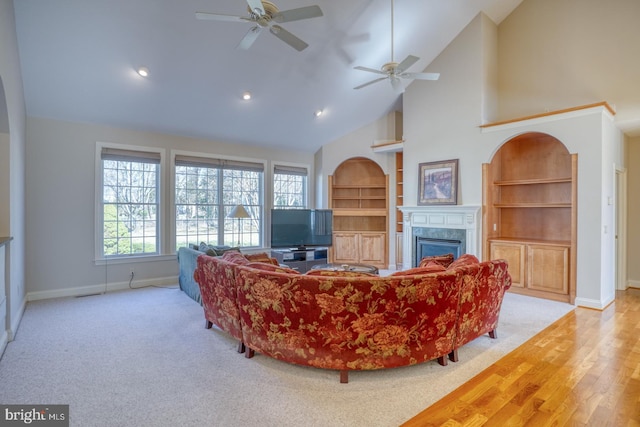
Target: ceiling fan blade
(408, 62)
(288, 38)
(370, 83)
(370, 70)
(217, 17)
(421, 76)
(249, 38)
(306, 12)
(256, 7)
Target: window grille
(206, 189)
(289, 187)
(130, 204)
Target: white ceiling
(78, 59)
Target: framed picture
(438, 183)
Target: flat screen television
(301, 228)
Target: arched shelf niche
(359, 197)
(530, 212)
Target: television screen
(300, 228)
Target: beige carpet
(143, 358)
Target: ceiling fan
(395, 71)
(265, 14)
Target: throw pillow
(465, 259)
(430, 267)
(261, 257)
(443, 260)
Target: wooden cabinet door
(548, 268)
(345, 247)
(372, 247)
(514, 254)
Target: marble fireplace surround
(458, 217)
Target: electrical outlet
(131, 272)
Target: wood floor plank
(583, 370)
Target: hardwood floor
(583, 370)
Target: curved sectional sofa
(352, 321)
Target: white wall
(441, 122)
(4, 182)
(358, 144)
(61, 198)
(556, 54)
(441, 118)
(12, 82)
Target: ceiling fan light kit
(264, 14)
(394, 71)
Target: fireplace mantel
(464, 217)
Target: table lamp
(238, 212)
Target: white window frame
(215, 157)
(99, 255)
(295, 169)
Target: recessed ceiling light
(246, 96)
(143, 71)
(318, 113)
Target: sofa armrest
(187, 262)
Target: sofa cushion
(430, 267)
(465, 259)
(261, 257)
(267, 266)
(443, 260)
(339, 273)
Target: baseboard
(15, 322)
(101, 289)
(592, 303)
(4, 340)
(633, 284)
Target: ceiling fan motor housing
(270, 9)
(390, 67)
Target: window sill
(135, 259)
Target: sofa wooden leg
(208, 324)
(453, 356)
(241, 347)
(249, 353)
(493, 334)
(344, 377)
(442, 361)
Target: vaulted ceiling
(79, 61)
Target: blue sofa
(187, 262)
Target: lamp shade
(238, 212)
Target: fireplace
(435, 230)
(431, 247)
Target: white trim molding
(463, 217)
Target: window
(289, 187)
(130, 206)
(206, 190)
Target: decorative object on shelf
(239, 212)
(438, 183)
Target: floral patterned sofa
(354, 321)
